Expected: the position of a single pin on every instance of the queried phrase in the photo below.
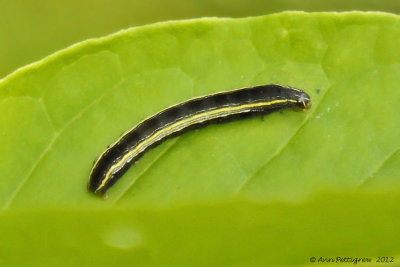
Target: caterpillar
(192, 114)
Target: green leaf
(31, 29)
(276, 191)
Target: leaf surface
(62, 112)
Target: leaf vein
(51, 143)
(377, 168)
